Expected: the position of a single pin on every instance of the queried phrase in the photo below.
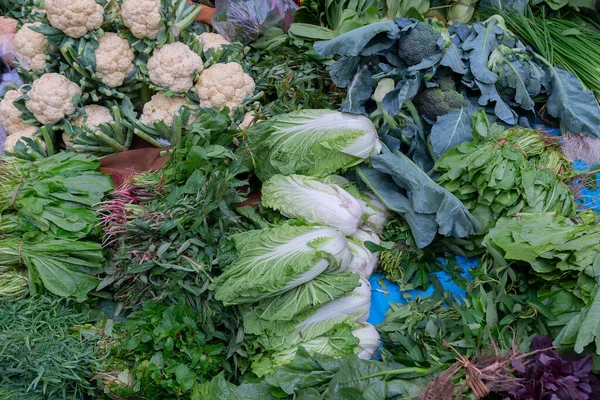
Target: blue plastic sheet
(388, 292)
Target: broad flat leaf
(406, 89)
(576, 108)
(185, 377)
(312, 32)
(489, 93)
(453, 59)
(480, 47)
(359, 92)
(590, 327)
(365, 41)
(422, 226)
(450, 130)
(343, 70)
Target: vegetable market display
(284, 167)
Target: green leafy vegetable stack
(560, 256)
(508, 172)
(49, 225)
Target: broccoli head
(434, 102)
(418, 43)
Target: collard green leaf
(430, 207)
(480, 46)
(359, 92)
(450, 130)
(365, 41)
(453, 59)
(423, 226)
(576, 108)
(406, 89)
(489, 93)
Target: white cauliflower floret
(114, 59)
(10, 116)
(30, 48)
(96, 116)
(172, 67)
(162, 108)
(74, 18)
(224, 85)
(142, 17)
(51, 98)
(212, 40)
(12, 140)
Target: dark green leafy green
(406, 189)
(502, 173)
(561, 256)
(168, 351)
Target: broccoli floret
(418, 43)
(434, 102)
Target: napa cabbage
(282, 335)
(311, 142)
(298, 196)
(271, 261)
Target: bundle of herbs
(162, 351)
(291, 75)
(49, 226)
(506, 172)
(46, 352)
(164, 229)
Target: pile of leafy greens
(507, 172)
(49, 227)
(47, 351)
(388, 66)
(164, 229)
(560, 257)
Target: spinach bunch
(506, 172)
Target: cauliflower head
(212, 40)
(224, 85)
(114, 59)
(96, 116)
(12, 140)
(162, 108)
(172, 67)
(74, 18)
(10, 116)
(30, 48)
(142, 17)
(51, 98)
